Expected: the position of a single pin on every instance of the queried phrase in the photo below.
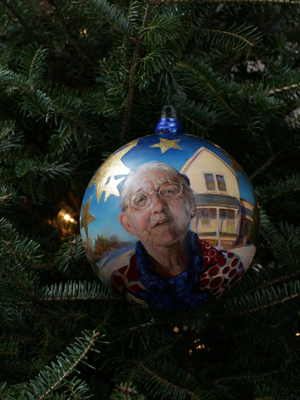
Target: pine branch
(74, 291)
(198, 116)
(248, 376)
(31, 68)
(172, 388)
(76, 122)
(64, 108)
(160, 2)
(36, 36)
(151, 357)
(204, 75)
(278, 242)
(5, 27)
(9, 139)
(263, 299)
(8, 198)
(10, 348)
(263, 307)
(36, 56)
(284, 89)
(232, 40)
(270, 283)
(269, 162)
(73, 38)
(129, 99)
(137, 328)
(22, 21)
(162, 29)
(73, 392)
(31, 295)
(73, 366)
(165, 320)
(110, 14)
(125, 391)
(232, 34)
(7, 178)
(39, 104)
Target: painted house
(219, 207)
(247, 214)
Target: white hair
(177, 177)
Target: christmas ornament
(169, 221)
(66, 222)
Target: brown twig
(83, 355)
(265, 165)
(263, 307)
(31, 295)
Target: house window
(226, 220)
(221, 183)
(230, 221)
(207, 216)
(210, 182)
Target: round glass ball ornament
(169, 221)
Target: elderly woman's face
(164, 221)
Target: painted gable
(206, 162)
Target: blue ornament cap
(169, 125)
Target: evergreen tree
(77, 80)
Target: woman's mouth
(161, 222)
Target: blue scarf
(179, 293)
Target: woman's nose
(157, 202)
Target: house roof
(198, 154)
(204, 199)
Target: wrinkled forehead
(152, 180)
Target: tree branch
(170, 384)
(159, 2)
(70, 33)
(265, 165)
(129, 99)
(263, 307)
(21, 286)
(22, 21)
(93, 340)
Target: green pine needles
(78, 79)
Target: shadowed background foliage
(78, 79)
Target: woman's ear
(193, 209)
(125, 222)
(193, 212)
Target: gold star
(111, 187)
(87, 217)
(112, 166)
(166, 144)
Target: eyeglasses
(167, 191)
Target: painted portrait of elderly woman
(169, 222)
(170, 267)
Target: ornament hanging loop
(169, 125)
(170, 82)
(164, 111)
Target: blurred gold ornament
(66, 222)
(83, 32)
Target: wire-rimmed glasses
(168, 191)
